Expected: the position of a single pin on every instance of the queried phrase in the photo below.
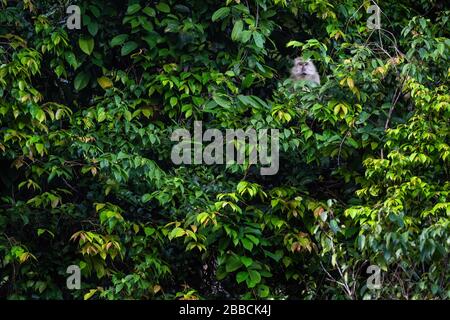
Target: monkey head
(304, 70)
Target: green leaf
(254, 278)
(40, 148)
(118, 40)
(71, 59)
(128, 47)
(246, 35)
(176, 233)
(248, 80)
(221, 101)
(38, 114)
(263, 291)
(294, 43)
(361, 241)
(334, 226)
(149, 231)
(247, 261)
(254, 239)
(237, 30)
(259, 39)
(101, 115)
(233, 263)
(149, 11)
(275, 256)
(163, 7)
(86, 44)
(220, 13)
(151, 39)
(93, 28)
(247, 244)
(133, 8)
(241, 276)
(81, 80)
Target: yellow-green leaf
(350, 83)
(105, 82)
(88, 295)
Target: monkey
(304, 70)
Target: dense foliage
(86, 176)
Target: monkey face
(303, 68)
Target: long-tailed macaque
(304, 70)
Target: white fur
(305, 70)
